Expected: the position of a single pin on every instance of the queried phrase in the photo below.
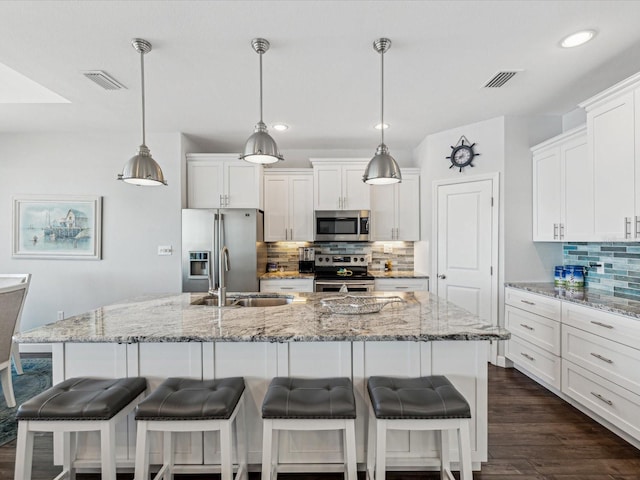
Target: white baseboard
(35, 348)
(504, 362)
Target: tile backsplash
(286, 254)
(621, 261)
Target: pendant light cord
(382, 97)
(144, 142)
(260, 54)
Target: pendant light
(260, 147)
(142, 169)
(382, 168)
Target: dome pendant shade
(382, 168)
(142, 169)
(260, 147)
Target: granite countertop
(173, 318)
(397, 274)
(583, 296)
(286, 275)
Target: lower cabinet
(464, 363)
(401, 284)
(286, 285)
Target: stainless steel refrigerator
(206, 231)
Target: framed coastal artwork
(57, 227)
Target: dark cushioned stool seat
(191, 399)
(417, 398)
(83, 399)
(309, 398)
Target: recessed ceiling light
(281, 127)
(578, 38)
(380, 126)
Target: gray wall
(136, 220)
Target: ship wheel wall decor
(462, 154)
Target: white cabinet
(287, 285)
(613, 150)
(222, 181)
(534, 323)
(401, 284)
(338, 184)
(288, 205)
(395, 209)
(562, 188)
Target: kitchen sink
(262, 301)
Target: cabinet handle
(562, 231)
(398, 287)
(555, 231)
(602, 324)
(339, 203)
(637, 226)
(528, 357)
(627, 227)
(527, 326)
(344, 202)
(286, 288)
(601, 398)
(286, 234)
(527, 302)
(291, 236)
(600, 357)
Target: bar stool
(424, 403)
(308, 404)
(77, 405)
(191, 405)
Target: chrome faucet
(223, 267)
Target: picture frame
(57, 227)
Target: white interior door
(464, 246)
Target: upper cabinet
(288, 205)
(338, 184)
(613, 148)
(395, 209)
(562, 188)
(222, 181)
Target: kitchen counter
(583, 296)
(397, 274)
(174, 318)
(286, 275)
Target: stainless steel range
(335, 273)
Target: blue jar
(558, 275)
(573, 276)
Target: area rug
(35, 379)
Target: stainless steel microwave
(342, 226)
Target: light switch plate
(165, 250)
(388, 248)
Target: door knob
(442, 276)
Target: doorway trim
(495, 242)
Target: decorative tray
(352, 305)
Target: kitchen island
(177, 335)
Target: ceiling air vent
(103, 79)
(500, 78)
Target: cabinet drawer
(625, 330)
(541, 363)
(538, 304)
(541, 331)
(612, 402)
(616, 362)
(287, 285)
(401, 284)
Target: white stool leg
(142, 451)
(381, 449)
(108, 450)
(445, 458)
(371, 446)
(267, 446)
(17, 361)
(226, 460)
(242, 446)
(7, 386)
(168, 456)
(350, 449)
(24, 451)
(464, 447)
(69, 454)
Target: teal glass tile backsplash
(621, 261)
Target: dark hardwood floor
(533, 435)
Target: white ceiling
(321, 75)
